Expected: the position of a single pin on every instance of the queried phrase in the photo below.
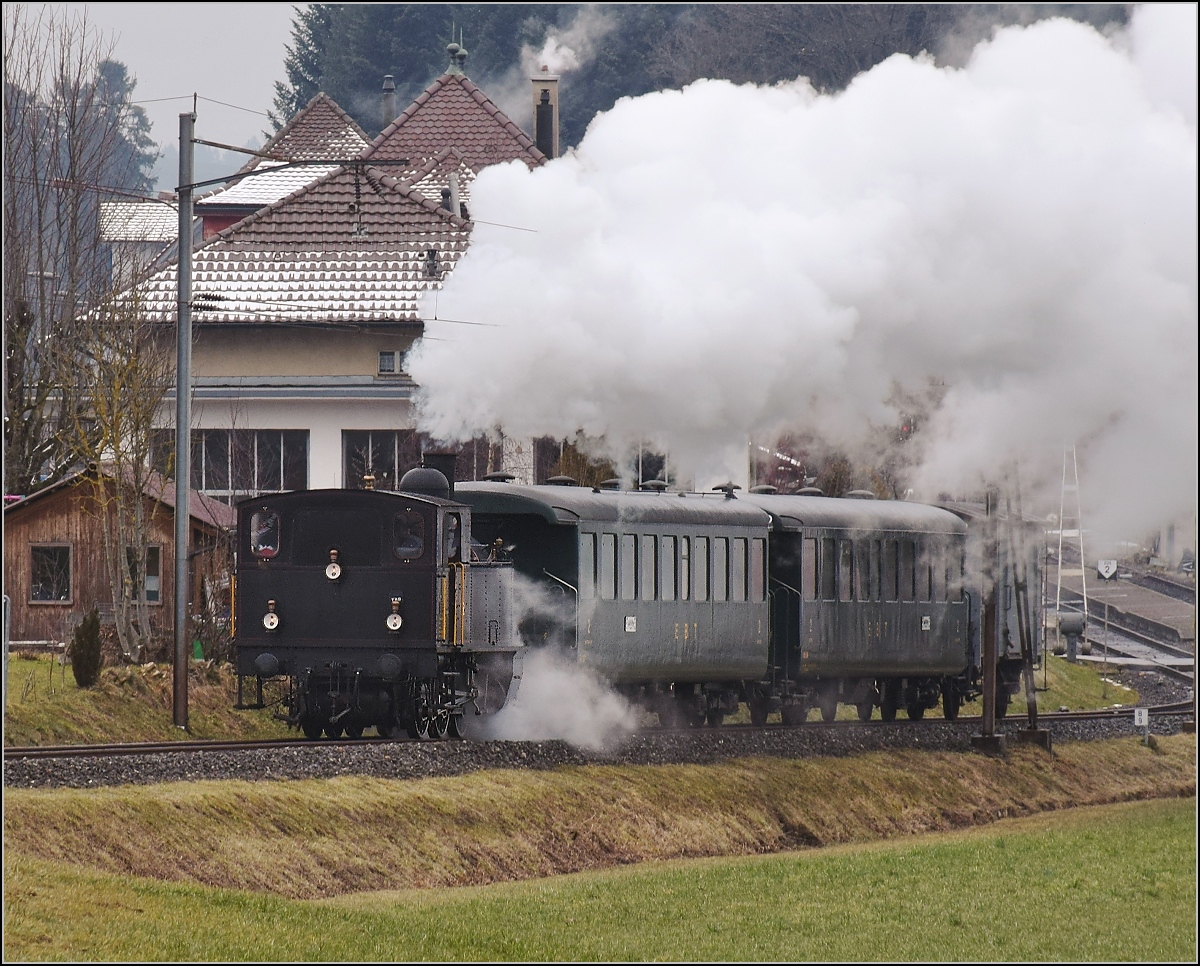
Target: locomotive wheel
(418, 727)
(865, 707)
(333, 731)
(455, 727)
(439, 725)
(386, 730)
(714, 718)
(354, 732)
(312, 728)
(758, 710)
(915, 712)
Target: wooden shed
(54, 570)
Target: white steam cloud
(723, 262)
(559, 699)
(569, 48)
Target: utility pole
(183, 418)
(987, 740)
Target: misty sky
(227, 52)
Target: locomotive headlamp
(334, 570)
(395, 621)
(270, 618)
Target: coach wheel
(794, 713)
(333, 731)
(1002, 699)
(354, 732)
(865, 707)
(312, 728)
(951, 702)
(758, 710)
(890, 701)
(915, 712)
(714, 718)
(828, 705)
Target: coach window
(828, 569)
(648, 568)
(845, 570)
(908, 572)
(50, 579)
(700, 568)
(720, 568)
(587, 565)
(758, 569)
(408, 535)
(808, 568)
(685, 568)
(608, 566)
(891, 570)
(627, 572)
(862, 570)
(875, 590)
(737, 569)
(667, 572)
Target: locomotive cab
(367, 602)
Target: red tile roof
(454, 113)
(352, 247)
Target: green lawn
(1111, 883)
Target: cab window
(453, 536)
(264, 534)
(408, 535)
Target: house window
(386, 454)
(391, 362)
(50, 577)
(231, 464)
(153, 577)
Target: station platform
(1139, 607)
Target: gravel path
(417, 760)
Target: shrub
(85, 650)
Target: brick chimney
(545, 112)
(389, 102)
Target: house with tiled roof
(304, 308)
(312, 144)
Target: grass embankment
(130, 873)
(319, 838)
(129, 703)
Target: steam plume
(722, 262)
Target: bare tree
(127, 368)
(69, 131)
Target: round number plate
(333, 571)
(270, 621)
(393, 622)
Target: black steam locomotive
(396, 609)
(374, 608)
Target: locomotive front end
(363, 601)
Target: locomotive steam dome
(426, 482)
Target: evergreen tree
(130, 163)
(305, 57)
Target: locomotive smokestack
(545, 112)
(444, 463)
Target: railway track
(182, 747)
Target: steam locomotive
(398, 610)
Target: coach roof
(575, 504)
(795, 512)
